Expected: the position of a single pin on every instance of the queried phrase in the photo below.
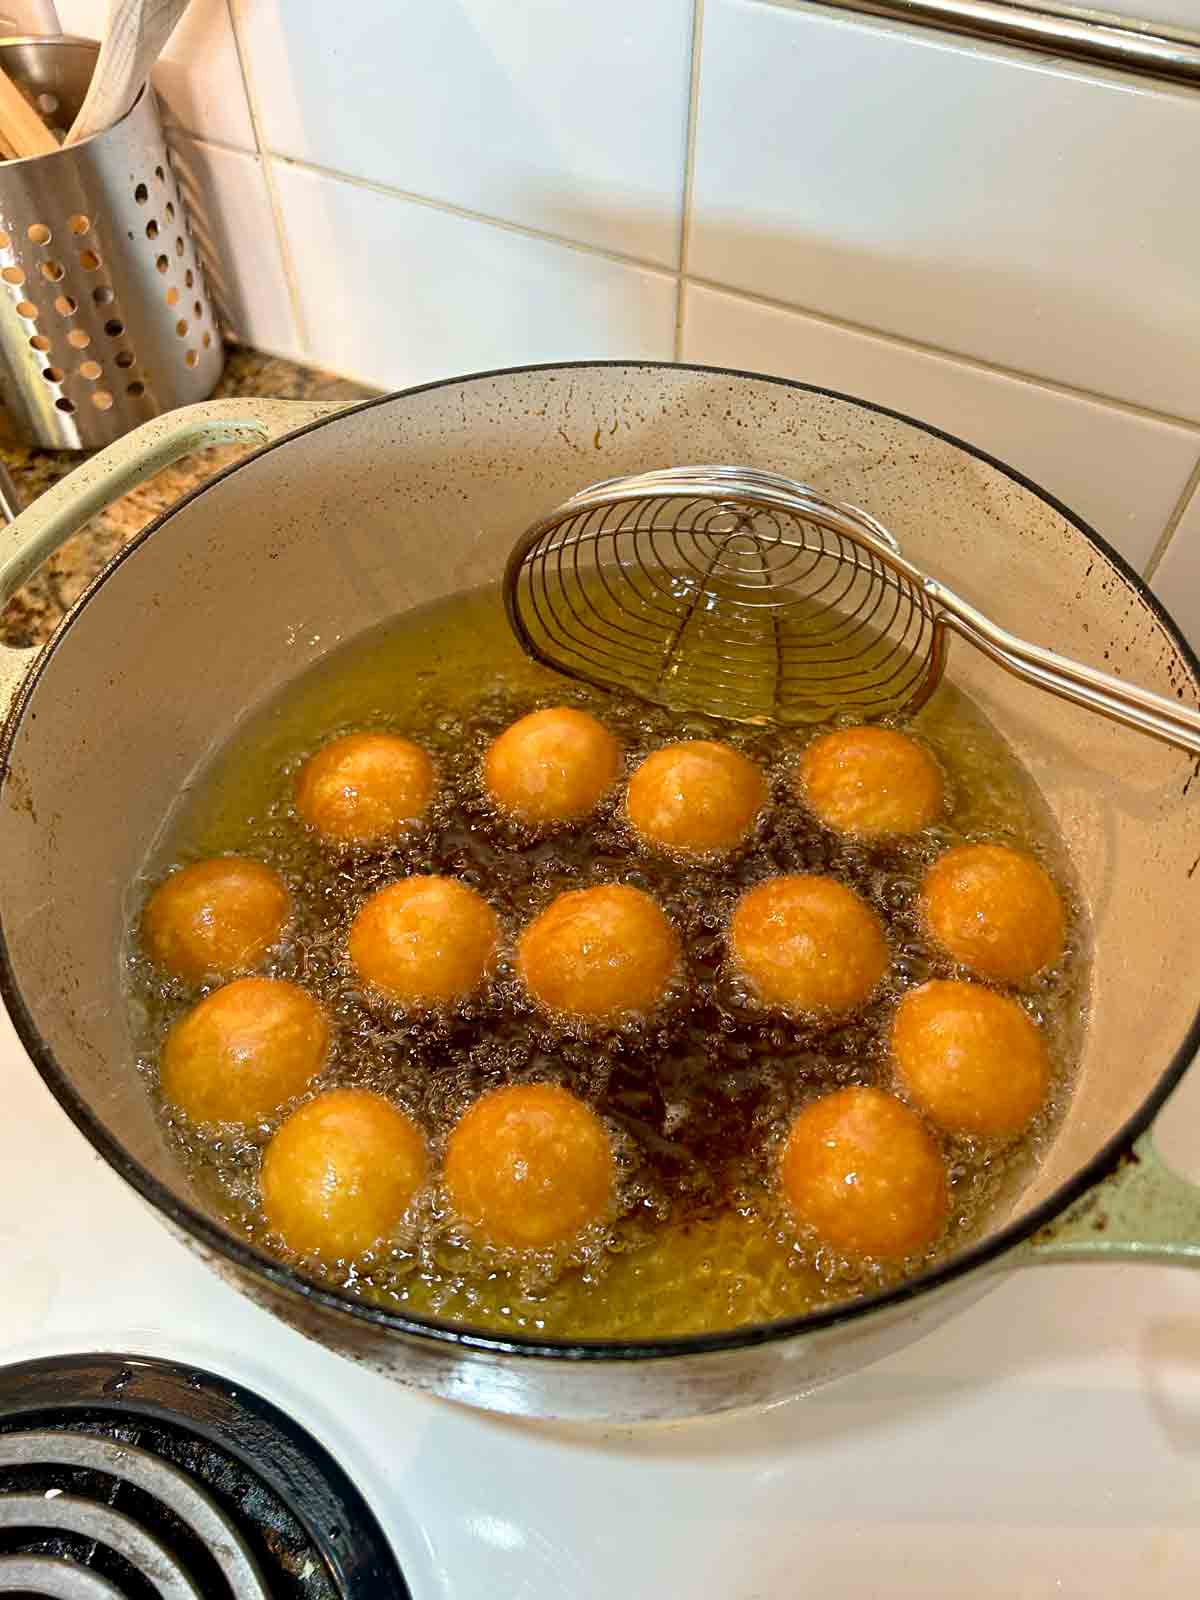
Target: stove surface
(124, 1477)
(1044, 1443)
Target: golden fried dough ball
(599, 954)
(551, 766)
(365, 789)
(971, 1059)
(808, 944)
(529, 1166)
(340, 1174)
(995, 910)
(215, 919)
(243, 1051)
(860, 1170)
(870, 782)
(424, 942)
(697, 798)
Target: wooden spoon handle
(134, 36)
(21, 129)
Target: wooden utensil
(21, 129)
(134, 35)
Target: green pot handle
(54, 516)
(1141, 1212)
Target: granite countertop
(34, 612)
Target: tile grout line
(234, 8)
(410, 197)
(689, 174)
(1191, 492)
(684, 279)
(976, 363)
(220, 144)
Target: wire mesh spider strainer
(746, 595)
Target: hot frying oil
(698, 1099)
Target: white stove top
(1046, 1442)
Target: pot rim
(210, 1237)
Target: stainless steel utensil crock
(105, 317)
(394, 503)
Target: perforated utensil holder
(105, 316)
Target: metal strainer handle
(747, 595)
(1071, 680)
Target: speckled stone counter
(32, 615)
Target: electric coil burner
(127, 1478)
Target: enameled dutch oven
(347, 518)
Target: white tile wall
(231, 218)
(566, 118)
(1003, 206)
(905, 198)
(1121, 471)
(198, 75)
(1177, 579)
(397, 292)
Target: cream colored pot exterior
(395, 503)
